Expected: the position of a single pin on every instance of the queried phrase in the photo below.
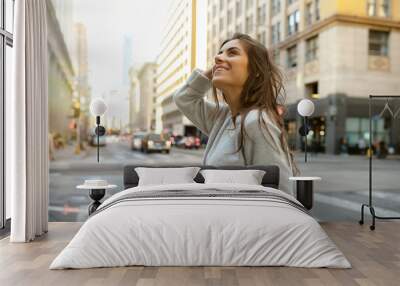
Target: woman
(248, 128)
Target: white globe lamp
(305, 108)
(98, 107)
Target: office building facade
(333, 52)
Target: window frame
(316, 11)
(249, 4)
(262, 14)
(229, 16)
(293, 28)
(238, 9)
(276, 33)
(6, 39)
(276, 53)
(312, 49)
(378, 41)
(308, 15)
(290, 57)
(249, 24)
(385, 8)
(275, 7)
(221, 4)
(371, 8)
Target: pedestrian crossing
(354, 206)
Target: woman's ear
(281, 109)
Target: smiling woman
(247, 128)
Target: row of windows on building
(379, 8)
(293, 20)
(238, 5)
(378, 45)
(276, 5)
(261, 10)
(378, 42)
(310, 55)
(374, 7)
(311, 15)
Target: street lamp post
(98, 107)
(305, 108)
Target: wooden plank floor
(374, 255)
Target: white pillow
(249, 177)
(163, 176)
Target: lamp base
(100, 130)
(304, 129)
(304, 193)
(96, 195)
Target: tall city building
(127, 59)
(64, 12)
(142, 96)
(176, 60)
(134, 100)
(334, 52)
(81, 81)
(118, 117)
(61, 73)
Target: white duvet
(200, 231)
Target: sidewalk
(66, 157)
(199, 151)
(68, 154)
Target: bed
(199, 224)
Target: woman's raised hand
(208, 73)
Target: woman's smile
(220, 68)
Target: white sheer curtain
(27, 124)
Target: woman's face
(230, 69)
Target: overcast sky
(108, 23)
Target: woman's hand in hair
(208, 73)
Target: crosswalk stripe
(349, 205)
(389, 196)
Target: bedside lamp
(304, 185)
(305, 108)
(98, 107)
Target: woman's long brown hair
(260, 91)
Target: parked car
(189, 142)
(175, 138)
(155, 142)
(136, 141)
(93, 140)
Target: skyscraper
(127, 59)
(175, 62)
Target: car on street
(155, 142)
(93, 140)
(136, 141)
(175, 138)
(189, 142)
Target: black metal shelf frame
(370, 205)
